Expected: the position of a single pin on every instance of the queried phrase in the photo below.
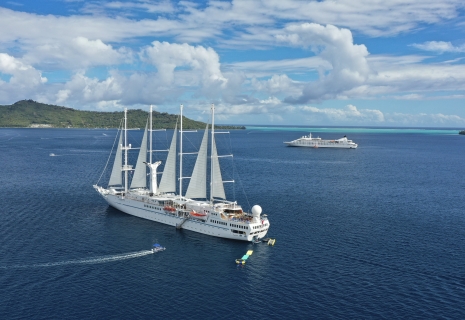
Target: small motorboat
(157, 247)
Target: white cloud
(23, 78)
(439, 46)
(269, 67)
(277, 84)
(204, 62)
(76, 53)
(148, 6)
(350, 114)
(29, 30)
(369, 17)
(415, 78)
(129, 90)
(247, 21)
(348, 60)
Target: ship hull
(155, 213)
(320, 145)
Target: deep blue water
(376, 232)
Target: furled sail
(139, 180)
(116, 177)
(198, 184)
(168, 179)
(217, 179)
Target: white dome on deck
(256, 210)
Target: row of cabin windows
(219, 222)
(237, 226)
(238, 231)
(259, 227)
(152, 207)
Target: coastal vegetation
(29, 113)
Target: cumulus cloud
(89, 90)
(22, 78)
(277, 84)
(169, 56)
(117, 89)
(439, 46)
(335, 45)
(180, 69)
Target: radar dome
(256, 210)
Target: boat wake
(94, 260)
(68, 154)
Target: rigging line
(233, 166)
(192, 144)
(242, 186)
(108, 160)
(133, 139)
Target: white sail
(217, 179)
(168, 179)
(139, 180)
(198, 184)
(116, 177)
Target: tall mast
(150, 148)
(180, 159)
(125, 150)
(211, 153)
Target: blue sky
(372, 63)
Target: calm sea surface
(376, 232)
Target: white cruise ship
(161, 202)
(308, 141)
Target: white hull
(144, 207)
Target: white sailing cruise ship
(159, 202)
(310, 142)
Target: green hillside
(27, 113)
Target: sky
(266, 62)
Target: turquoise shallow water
(350, 130)
(375, 232)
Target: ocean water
(372, 233)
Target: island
(32, 114)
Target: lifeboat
(198, 214)
(169, 209)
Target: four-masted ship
(161, 202)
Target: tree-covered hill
(27, 113)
